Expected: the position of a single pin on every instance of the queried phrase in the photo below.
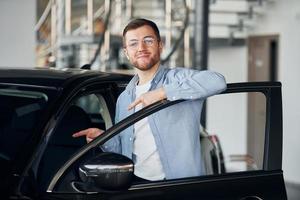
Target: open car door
(259, 176)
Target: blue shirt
(176, 128)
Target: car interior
(62, 146)
(86, 112)
(212, 155)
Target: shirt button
(130, 138)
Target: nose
(141, 46)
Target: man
(166, 144)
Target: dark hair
(137, 23)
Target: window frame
(273, 142)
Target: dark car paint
(266, 185)
(229, 186)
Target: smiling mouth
(143, 56)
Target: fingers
(81, 133)
(135, 103)
(149, 98)
(88, 140)
(90, 133)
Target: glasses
(133, 44)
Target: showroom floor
(293, 191)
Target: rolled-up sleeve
(185, 83)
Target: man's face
(142, 47)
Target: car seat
(212, 154)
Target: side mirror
(108, 171)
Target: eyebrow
(148, 36)
(133, 40)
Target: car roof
(53, 77)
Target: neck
(146, 76)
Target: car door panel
(263, 185)
(267, 183)
(252, 186)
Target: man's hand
(149, 98)
(90, 134)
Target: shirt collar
(158, 75)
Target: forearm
(194, 84)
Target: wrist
(162, 93)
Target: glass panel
(20, 111)
(95, 106)
(78, 16)
(238, 120)
(98, 16)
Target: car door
(258, 176)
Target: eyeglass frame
(144, 40)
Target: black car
(39, 158)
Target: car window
(87, 111)
(95, 106)
(19, 115)
(238, 122)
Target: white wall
(230, 124)
(17, 37)
(282, 17)
(230, 61)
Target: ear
(160, 46)
(126, 53)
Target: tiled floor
(293, 191)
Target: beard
(147, 64)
